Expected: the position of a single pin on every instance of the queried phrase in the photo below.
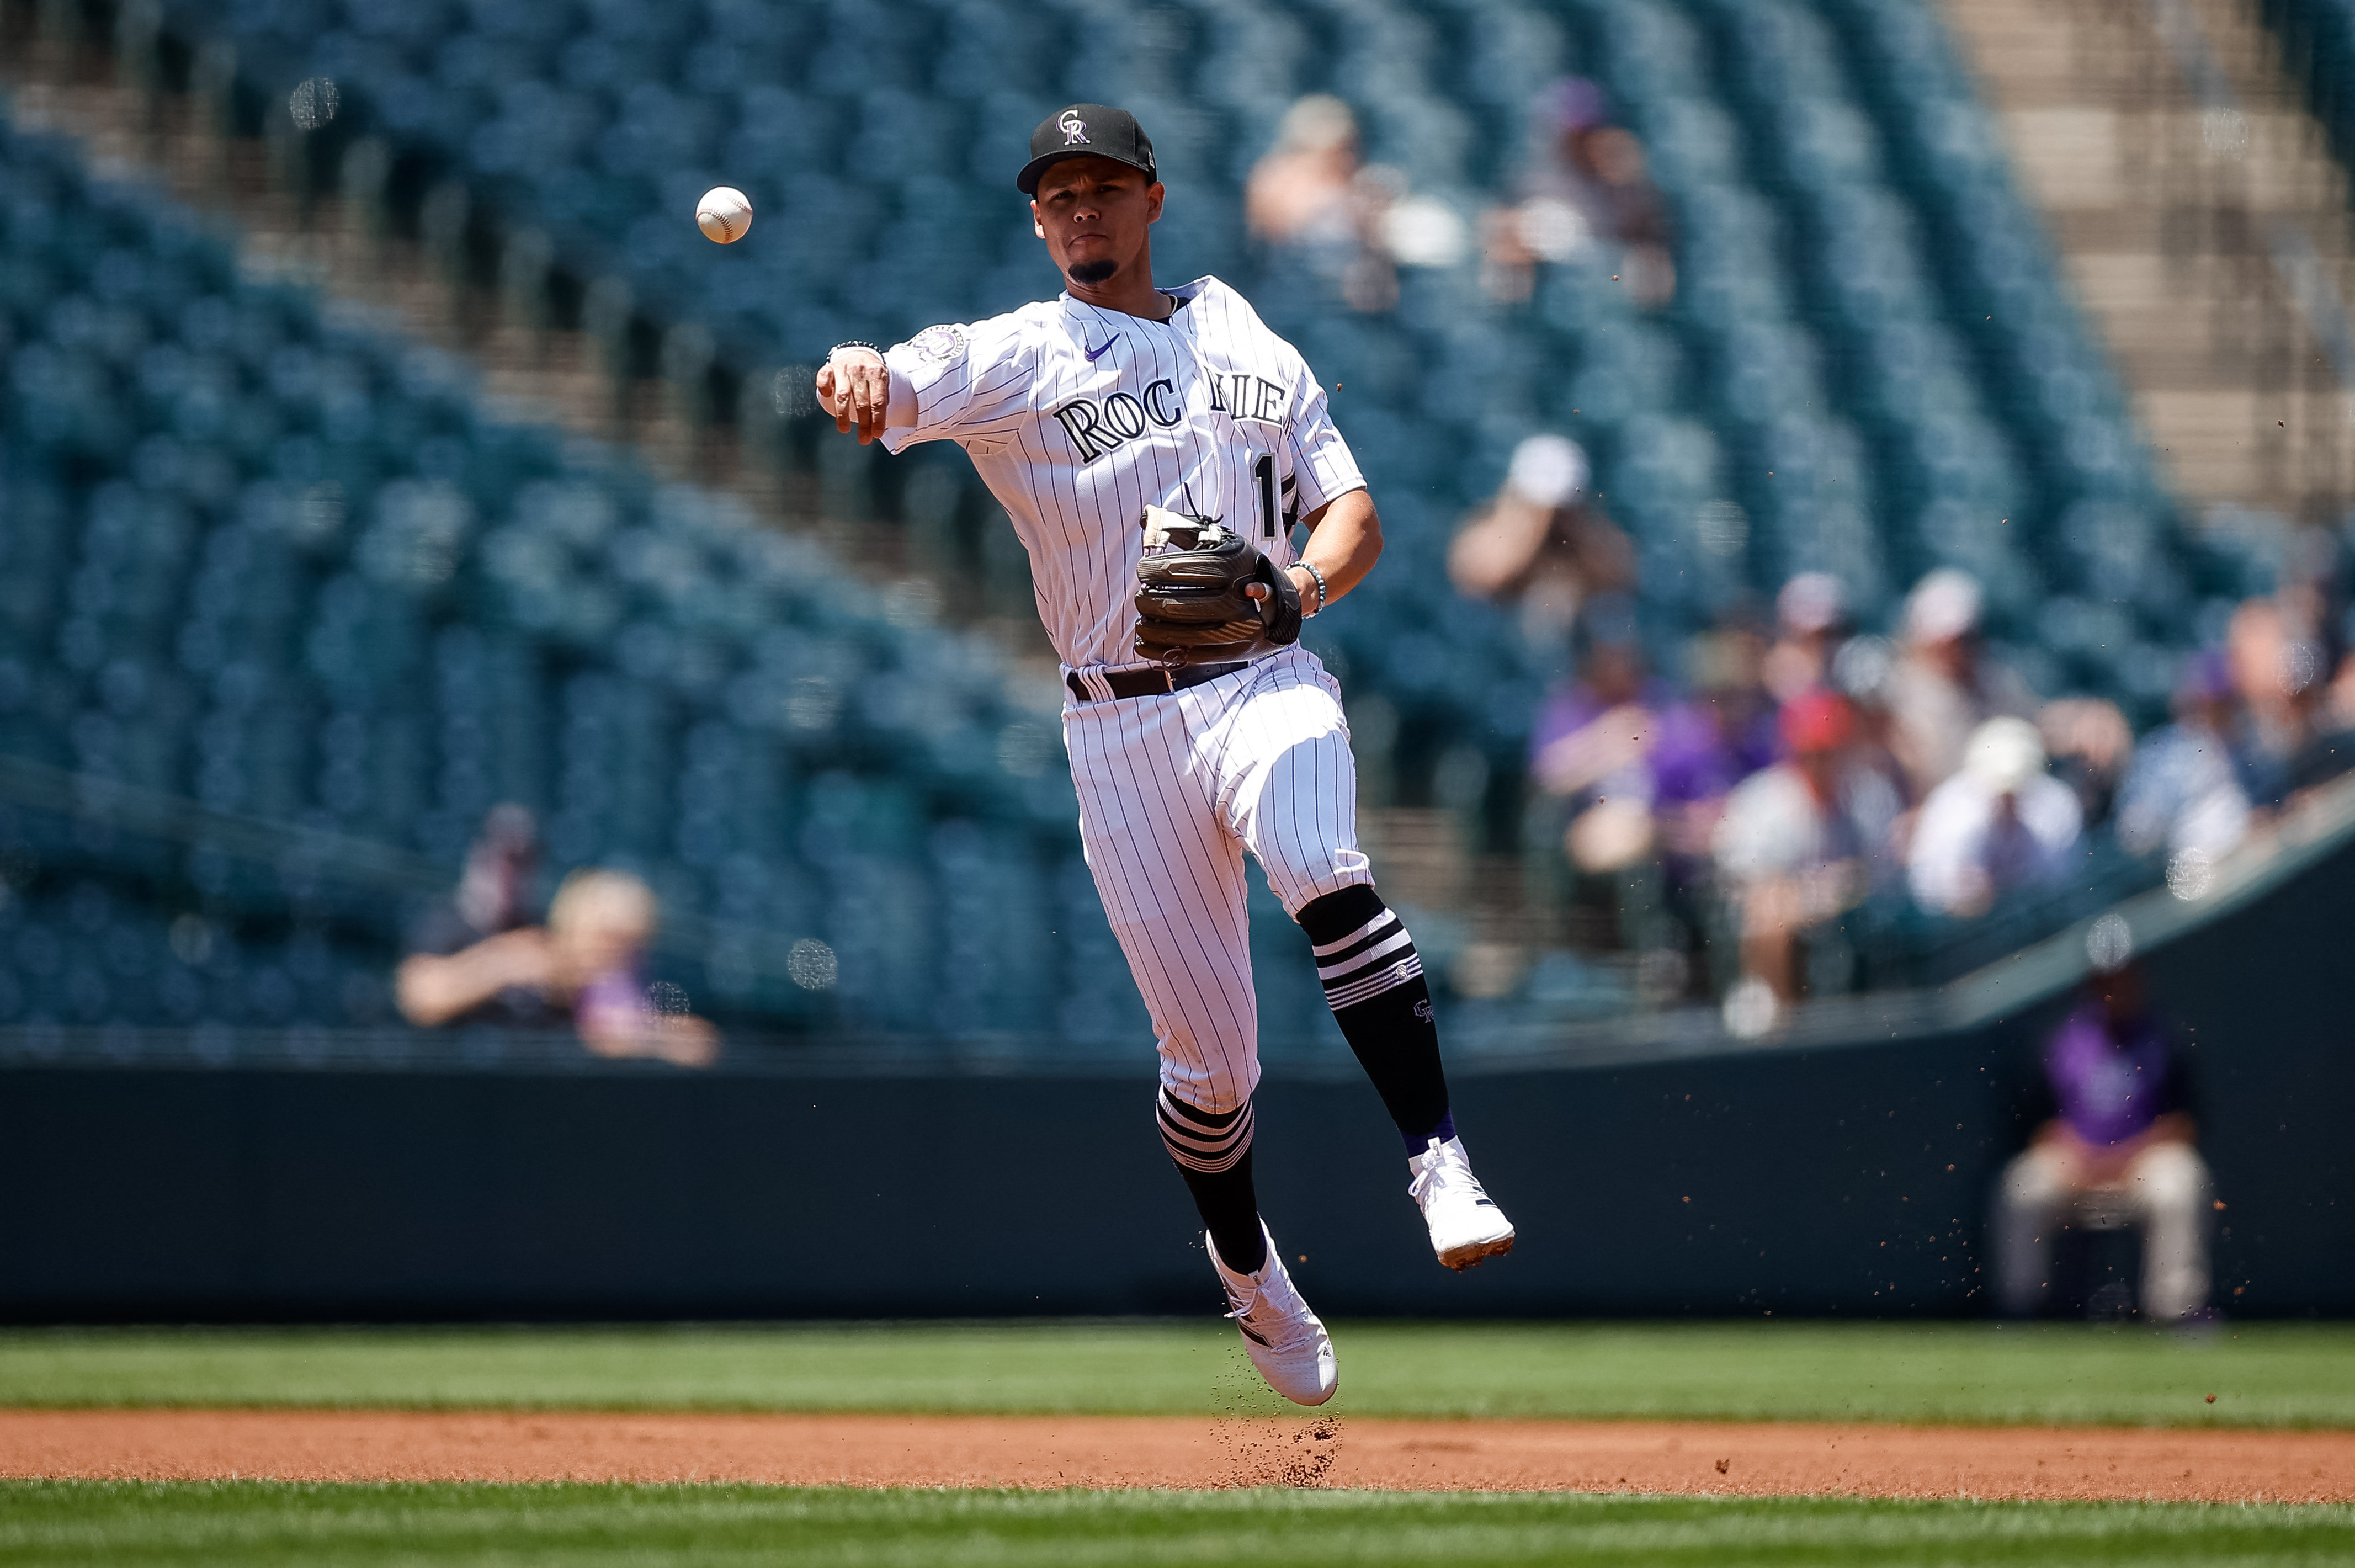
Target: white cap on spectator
(1315, 123)
(1812, 602)
(1548, 471)
(2004, 754)
(1862, 668)
(1944, 606)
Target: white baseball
(724, 215)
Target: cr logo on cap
(1075, 133)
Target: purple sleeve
(614, 998)
(1690, 760)
(1564, 713)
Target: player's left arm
(1345, 540)
(1345, 532)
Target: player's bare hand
(1305, 584)
(855, 386)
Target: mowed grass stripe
(261, 1524)
(2262, 1375)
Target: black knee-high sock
(1212, 1151)
(1374, 983)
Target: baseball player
(1154, 448)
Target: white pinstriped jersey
(1079, 418)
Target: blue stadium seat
(1868, 355)
(291, 572)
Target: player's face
(1092, 213)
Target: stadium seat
(1869, 359)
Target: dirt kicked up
(1758, 1459)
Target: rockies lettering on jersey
(1078, 418)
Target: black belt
(1156, 682)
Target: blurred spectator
(2310, 612)
(503, 979)
(1799, 844)
(1586, 197)
(2117, 1150)
(1862, 670)
(494, 894)
(2184, 791)
(598, 930)
(2334, 720)
(1590, 747)
(2277, 674)
(1541, 542)
(1944, 686)
(2091, 745)
(1299, 194)
(1999, 824)
(587, 962)
(1351, 223)
(498, 980)
(1704, 745)
(1811, 614)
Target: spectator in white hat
(1944, 686)
(1543, 543)
(1812, 616)
(1299, 193)
(2000, 823)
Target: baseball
(724, 215)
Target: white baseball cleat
(1466, 1226)
(1286, 1342)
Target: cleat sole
(1472, 1253)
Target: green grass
(256, 1524)
(2262, 1374)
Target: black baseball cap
(1086, 130)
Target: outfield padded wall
(1847, 1179)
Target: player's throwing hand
(855, 386)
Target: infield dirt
(1780, 1459)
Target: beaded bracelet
(1323, 592)
(853, 343)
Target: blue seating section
(1869, 354)
(288, 567)
(285, 568)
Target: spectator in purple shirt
(1591, 746)
(1706, 744)
(2117, 1152)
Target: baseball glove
(1191, 604)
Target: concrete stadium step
(2204, 223)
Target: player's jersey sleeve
(1318, 460)
(971, 382)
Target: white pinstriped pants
(1173, 789)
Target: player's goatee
(1092, 273)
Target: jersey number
(1263, 475)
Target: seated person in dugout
(2116, 1153)
(588, 961)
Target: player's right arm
(945, 383)
(855, 385)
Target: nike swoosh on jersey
(1095, 354)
